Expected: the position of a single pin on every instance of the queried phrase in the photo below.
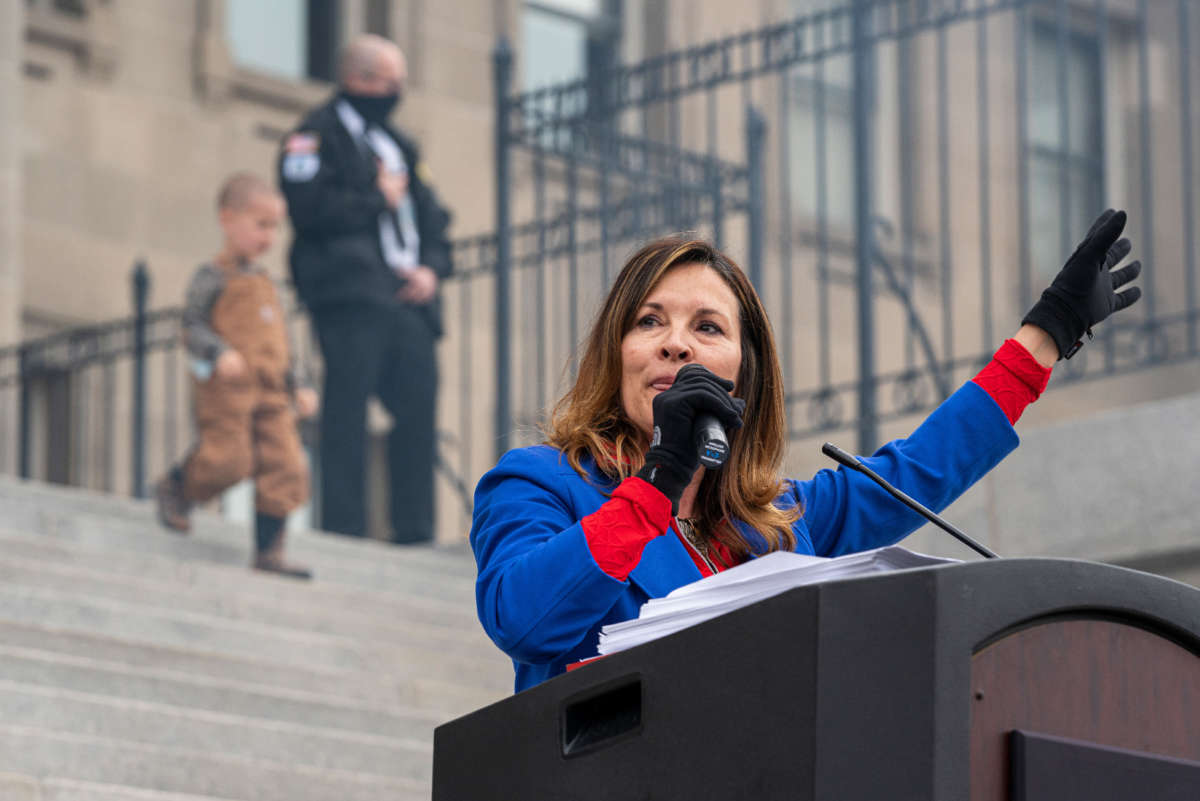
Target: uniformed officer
(369, 251)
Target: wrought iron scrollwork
(910, 391)
(825, 410)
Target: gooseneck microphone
(847, 460)
(711, 443)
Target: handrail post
(502, 63)
(141, 292)
(864, 66)
(24, 456)
(756, 140)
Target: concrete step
(93, 530)
(243, 639)
(360, 567)
(44, 514)
(16, 787)
(58, 503)
(72, 712)
(316, 614)
(427, 693)
(70, 790)
(34, 752)
(107, 679)
(139, 665)
(455, 611)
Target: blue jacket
(542, 598)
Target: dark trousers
(387, 351)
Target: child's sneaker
(174, 511)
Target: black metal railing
(72, 390)
(899, 177)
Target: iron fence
(107, 406)
(900, 178)
(80, 397)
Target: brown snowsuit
(246, 425)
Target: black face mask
(373, 108)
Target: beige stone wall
(123, 161)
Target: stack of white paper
(746, 584)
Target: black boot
(174, 510)
(268, 551)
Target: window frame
(602, 36)
(1080, 169)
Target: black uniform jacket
(330, 185)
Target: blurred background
(900, 178)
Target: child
(234, 329)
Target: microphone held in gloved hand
(681, 441)
(847, 460)
(712, 447)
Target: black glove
(1084, 291)
(673, 458)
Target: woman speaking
(615, 508)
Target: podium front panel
(854, 690)
(697, 733)
(1096, 681)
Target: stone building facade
(118, 119)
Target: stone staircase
(138, 665)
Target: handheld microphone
(845, 459)
(711, 443)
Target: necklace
(687, 527)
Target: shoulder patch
(300, 167)
(302, 143)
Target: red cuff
(1013, 378)
(618, 531)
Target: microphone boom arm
(847, 460)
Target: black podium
(1023, 679)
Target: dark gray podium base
(900, 686)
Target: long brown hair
(589, 419)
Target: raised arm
(968, 435)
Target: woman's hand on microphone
(673, 459)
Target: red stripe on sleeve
(1013, 378)
(617, 532)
